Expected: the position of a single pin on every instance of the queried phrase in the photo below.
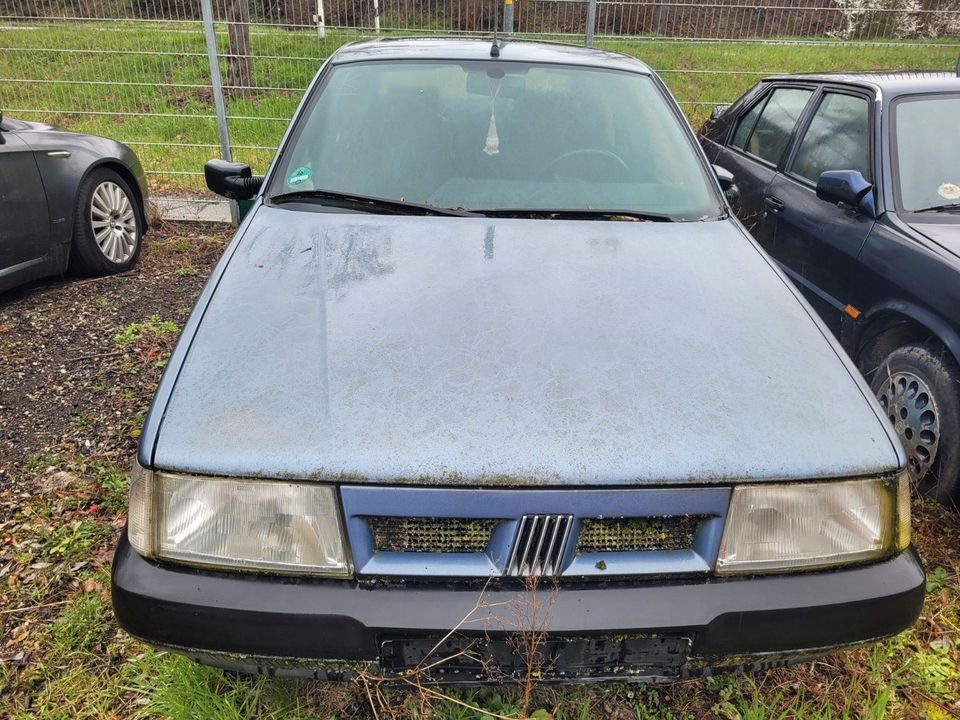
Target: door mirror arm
(717, 110)
(868, 205)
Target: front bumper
(655, 630)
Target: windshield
(495, 135)
(927, 152)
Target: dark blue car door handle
(774, 204)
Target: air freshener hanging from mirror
(492, 146)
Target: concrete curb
(191, 208)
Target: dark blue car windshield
(927, 157)
(497, 135)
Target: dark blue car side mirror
(848, 187)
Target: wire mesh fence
(138, 70)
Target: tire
(918, 387)
(106, 206)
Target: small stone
(58, 481)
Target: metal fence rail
(140, 70)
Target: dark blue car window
(838, 138)
(779, 116)
(745, 127)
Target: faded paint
(401, 349)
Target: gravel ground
(69, 385)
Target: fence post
(219, 107)
(508, 17)
(376, 16)
(591, 21)
(321, 21)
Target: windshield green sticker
(299, 176)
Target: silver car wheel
(911, 407)
(114, 222)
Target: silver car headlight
(778, 528)
(262, 525)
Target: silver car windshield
(927, 152)
(497, 135)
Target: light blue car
(489, 339)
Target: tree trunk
(238, 63)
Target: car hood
(29, 126)
(944, 234)
(473, 351)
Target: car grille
(431, 535)
(457, 658)
(538, 549)
(509, 535)
(642, 534)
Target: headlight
(776, 528)
(267, 525)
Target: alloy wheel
(114, 223)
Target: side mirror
(232, 180)
(847, 187)
(717, 111)
(729, 187)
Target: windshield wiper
(366, 203)
(939, 208)
(577, 214)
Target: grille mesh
(431, 535)
(637, 534)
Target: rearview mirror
(729, 187)
(847, 187)
(232, 180)
(511, 85)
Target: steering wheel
(608, 158)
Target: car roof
(479, 49)
(891, 84)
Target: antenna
(958, 66)
(495, 48)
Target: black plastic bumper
(256, 622)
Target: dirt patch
(81, 357)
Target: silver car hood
(471, 351)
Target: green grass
(72, 541)
(147, 83)
(152, 328)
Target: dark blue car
(852, 184)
